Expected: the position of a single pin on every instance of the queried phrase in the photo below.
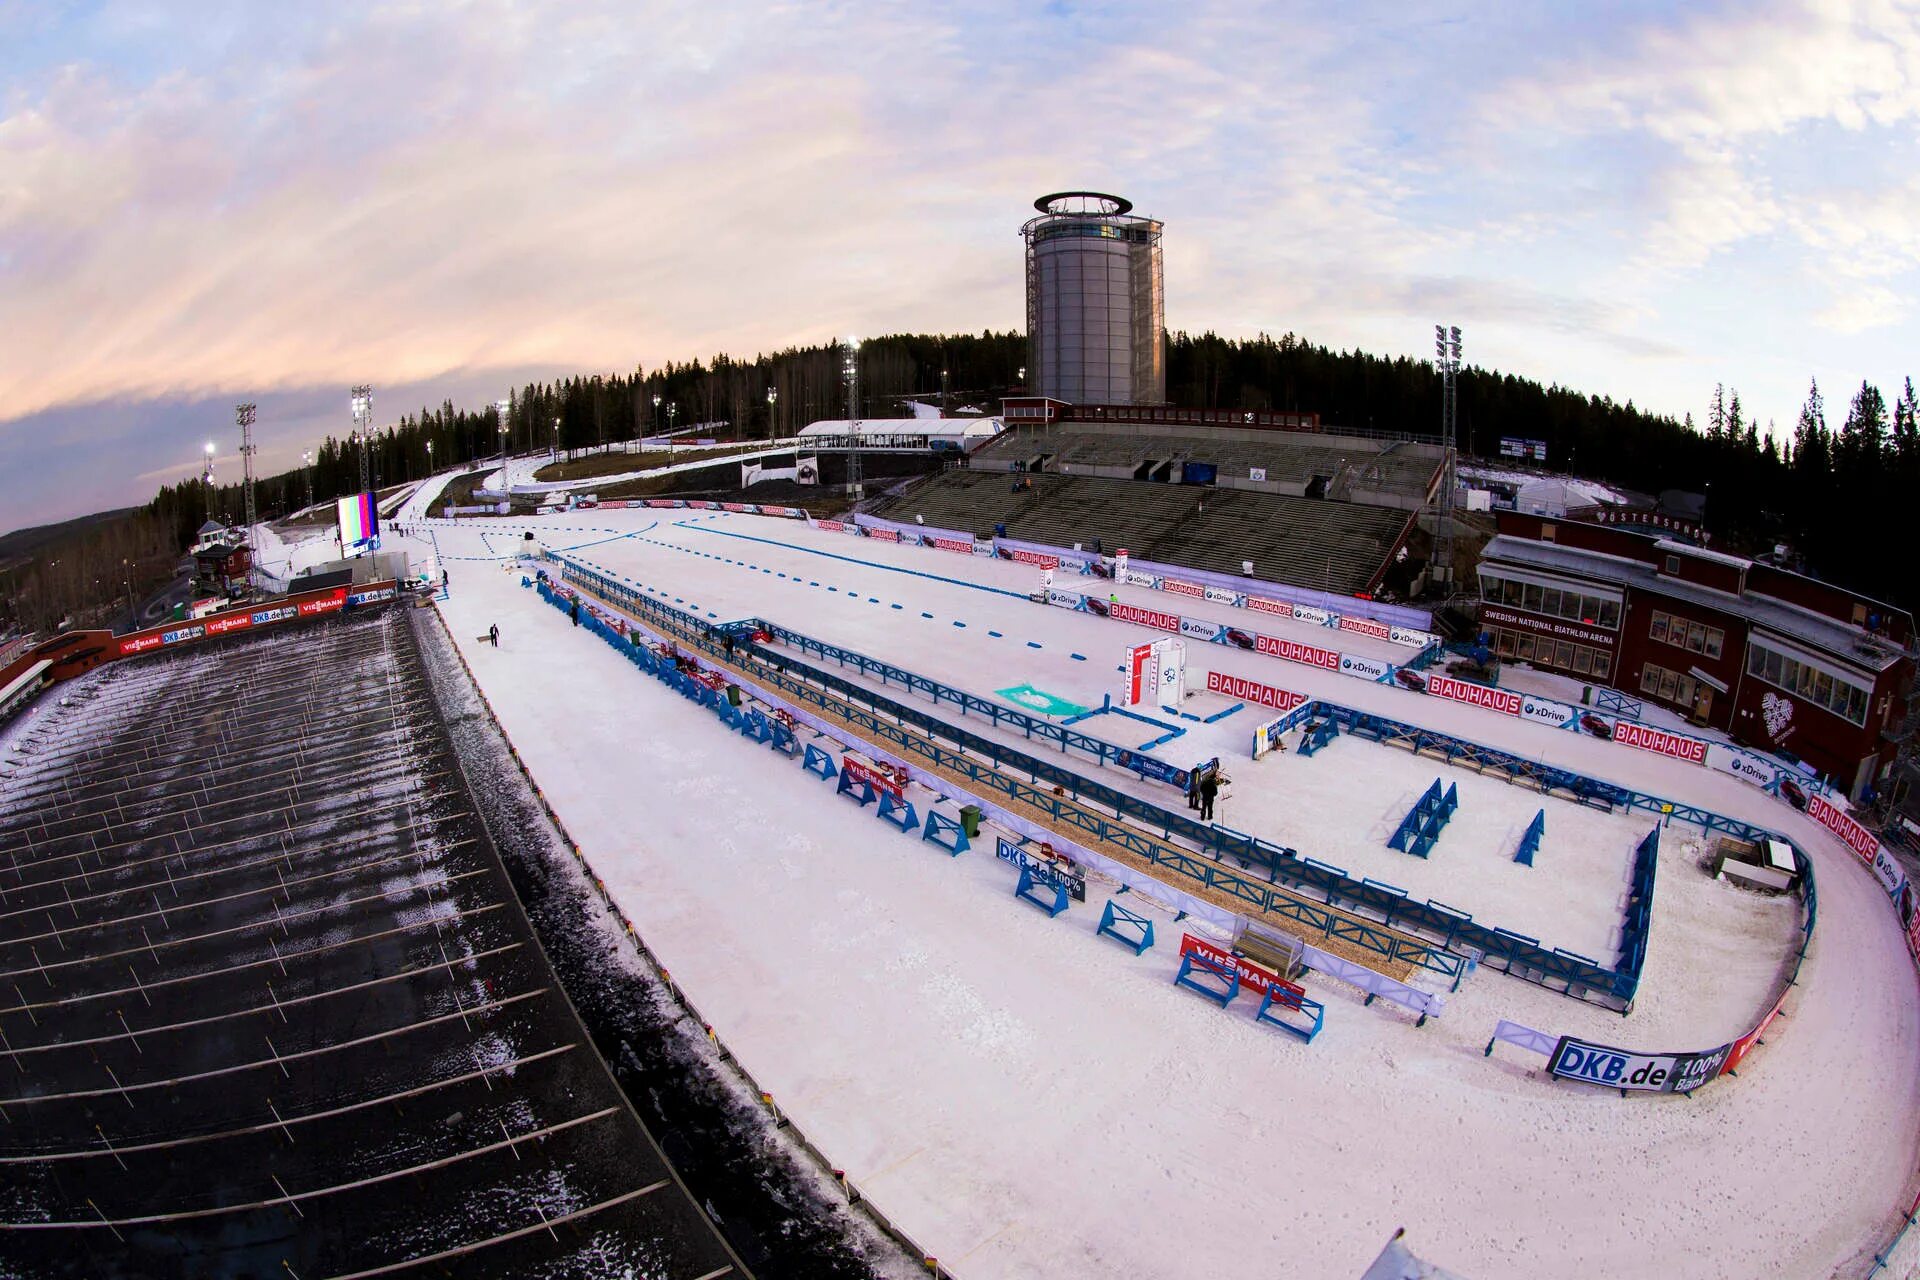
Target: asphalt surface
(270, 1006)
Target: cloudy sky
(210, 201)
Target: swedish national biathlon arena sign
(1624, 1069)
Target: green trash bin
(970, 820)
(733, 694)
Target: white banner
(1352, 664)
(1220, 595)
(1743, 765)
(1307, 613)
(1409, 637)
(1557, 715)
(1201, 629)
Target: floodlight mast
(1446, 352)
(851, 371)
(206, 480)
(362, 426)
(243, 414)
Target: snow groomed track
(1025, 1098)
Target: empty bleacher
(1381, 472)
(1336, 546)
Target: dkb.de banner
(1051, 874)
(1613, 1068)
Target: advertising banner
(1738, 1050)
(1133, 683)
(1660, 742)
(1256, 978)
(1179, 588)
(1279, 608)
(885, 535)
(1294, 651)
(1220, 595)
(1066, 600)
(1059, 874)
(1352, 664)
(1624, 1069)
(882, 779)
(1266, 737)
(1030, 557)
(1253, 691)
(952, 544)
(1201, 628)
(1835, 819)
(1140, 579)
(1891, 876)
(1120, 565)
(1555, 715)
(332, 602)
(1308, 613)
(231, 622)
(831, 526)
(1505, 701)
(1409, 637)
(1367, 627)
(1144, 617)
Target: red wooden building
(1780, 661)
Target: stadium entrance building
(1780, 661)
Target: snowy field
(1029, 1100)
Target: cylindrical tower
(1095, 308)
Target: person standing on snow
(575, 611)
(1209, 788)
(493, 634)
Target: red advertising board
(881, 779)
(1259, 605)
(1746, 1042)
(1134, 687)
(953, 544)
(1252, 976)
(1253, 691)
(1035, 557)
(1366, 627)
(1660, 741)
(1505, 701)
(1180, 588)
(885, 535)
(1834, 819)
(832, 526)
(332, 602)
(138, 644)
(1294, 651)
(1145, 617)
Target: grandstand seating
(1390, 473)
(1338, 546)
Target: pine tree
(1717, 412)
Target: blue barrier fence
(1456, 935)
(997, 715)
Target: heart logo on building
(1777, 712)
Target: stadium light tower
(306, 465)
(243, 415)
(206, 480)
(773, 398)
(852, 373)
(362, 425)
(1446, 351)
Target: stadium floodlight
(244, 416)
(773, 398)
(363, 428)
(852, 372)
(206, 480)
(501, 407)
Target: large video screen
(359, 522)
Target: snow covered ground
(1029, 1100)
(519, 472)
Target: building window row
(1808, 683)
(1684, 633)
(1672, 687)
(1544, 651)
(1555, 602)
